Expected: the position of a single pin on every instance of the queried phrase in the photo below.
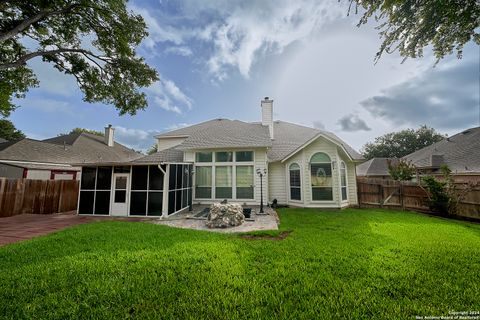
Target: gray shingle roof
(167, 155)
(374, 167)
(288, 137)
(69, 149)
(222, 133)
(461, 152)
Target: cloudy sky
(218, 60)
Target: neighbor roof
(461, 152)
(375, 167)
(69, 149)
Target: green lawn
(348, 264)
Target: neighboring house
(219, 159)
(53, 158)
(460, 152)
(375, 168)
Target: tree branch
(21, 61)
(28, 22)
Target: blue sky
(219, 59)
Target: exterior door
(121, 194)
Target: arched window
(321, 177)
(295, 184)
(343, 180)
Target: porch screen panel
(203, 182)
(244, 182)
(223, 182)
(179, 187)
(87, 190)
(155, 190)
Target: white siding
(277, 182)
(167, 143)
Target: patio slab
(258, 222)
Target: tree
(9, 132)
(410, 26)
(399, 144)
(106, 69)
(153, 149)
(401, 170)
(80, 130)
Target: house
(221, 159)
(460, 152)
(53, 158)
(375, 168)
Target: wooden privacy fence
(19, 196)
(385, 193)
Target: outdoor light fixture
(261, 173)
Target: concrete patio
(187, 220)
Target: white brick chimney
(267, 114)
(109, 132)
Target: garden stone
(225, 215)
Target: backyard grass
(349, 264)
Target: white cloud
(179, 50)
(166, 94)
(48, 105)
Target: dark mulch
(281, 236)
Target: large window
(223, 182)
(343, 180)
(295, 183)
(228, 175)
(244, 182)
(95, 190)
(203, 157)
(203, 182)
(321, 177)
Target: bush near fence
(19, 196)
(391, 194)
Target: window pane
(321, 174)
(322, 194)
(139, 177)
(86, 202)
(156, 178)
(102, 202)
(104, 178)
(203, 157)
(223, 182)
(242, 156)
(223, 156)
(244, 182)
(121, 183)
(294, 166)
(295, 193)
(203, 182)
(294, 178)
(155, 203)
(138, 203)
(120, 196)
(88, 178)
(320, 157)
(344, 193)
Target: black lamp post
(261, 173)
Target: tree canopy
(9, 132)
(401, 143)
(93, 40)
(80, 130)
(410, 26)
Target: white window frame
(289, 185)
(310, 177)
(342, 163)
